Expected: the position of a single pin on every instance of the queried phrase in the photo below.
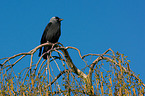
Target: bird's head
(55, 19)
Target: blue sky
(91, 26)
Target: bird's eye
(56, 18)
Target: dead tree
(107, 73)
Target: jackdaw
(51, 34)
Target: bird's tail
(46, 48)
(40, 51)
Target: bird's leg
(47, 42)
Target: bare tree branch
(72, 66)
(62, 72)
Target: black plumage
(51, 34)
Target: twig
(16, 56)
(62, 72)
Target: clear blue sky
(91, 26)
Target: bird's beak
(60, 19)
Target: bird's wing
(43, 38)
(53, 33)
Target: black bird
(51, 34)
